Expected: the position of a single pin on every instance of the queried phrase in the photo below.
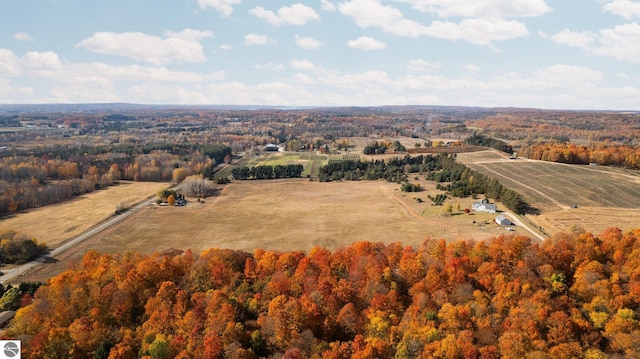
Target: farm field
(288, 215)
(604, 197)
(56, 223)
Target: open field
(56, 223)
(605, 197)
(288, 215)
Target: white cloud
(422, 65)
(575, 39)
(85, 89)
(308, 43)
(9, 65)
(567, 75)
(224, 7)
(493, 9)
(622, 42)
(15, 93)
(23, 36)
(471, 68)
(302, 65)
(371, 13)
(625, 8)
(42, 60)
(173, 47)
(216, 76)
(478, 31)
(366, 43)
(303, 79)
(328, 6)
(364, 80)
(296, 14)
(269, 66)
(226, 47)
(47, 65)
(257, 39)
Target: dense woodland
(574, 296)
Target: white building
(501, 220)
(484, 206)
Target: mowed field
(56, 223)
(605, 197)
(285, 215)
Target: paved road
(13, 273)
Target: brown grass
(288, 215)
(56, 223)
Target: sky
(551, 54)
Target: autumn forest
(573, 294)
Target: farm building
(271, 147)
(484, 206)
(501, 220)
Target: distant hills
(90, 108)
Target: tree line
(378, 148)
(606, 154)
(574, 296)
(30, 182)
(267, 172)
(480, 140)
(461, 180)
(17, 249)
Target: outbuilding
(501, 220)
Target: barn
(501, 220)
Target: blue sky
(556, 54)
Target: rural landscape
(147, 231)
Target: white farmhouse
(484, 206)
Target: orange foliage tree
(575, 295)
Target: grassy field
(288, 215)
(604, 197)
(56, 223)
(298, 214)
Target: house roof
(503, 220)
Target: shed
(501, 220)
